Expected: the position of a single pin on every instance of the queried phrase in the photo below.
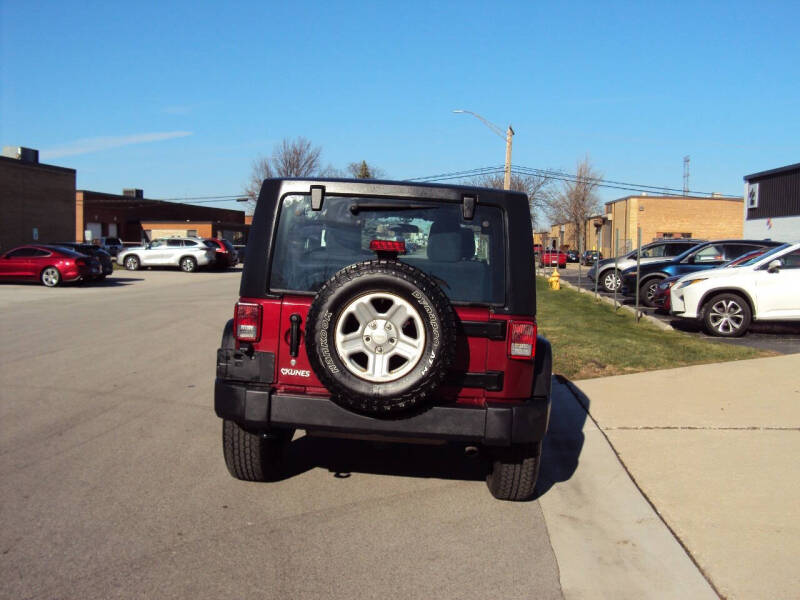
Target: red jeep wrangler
(389, 308)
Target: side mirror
(774, 266)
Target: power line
(567, 177)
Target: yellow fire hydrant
(553, 280)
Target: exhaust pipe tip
(471, 451)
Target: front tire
(131, 263)
(188, 264)
(50, 277)
(727, 315)
(647, 292)
(611, 280)
(513, 471)
(253, 455)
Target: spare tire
(380, 335)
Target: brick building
(132, 217)
(563, 236)
(37, 201)
(659, 217)
(669, 217)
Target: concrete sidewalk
(715, 449)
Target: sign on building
(752, 195)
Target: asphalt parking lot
(112, 481)
(783, 338)
(113, 485)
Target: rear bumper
(495, 425)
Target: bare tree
(576, 201)
(536, 187)
(362, 170)
(290, 158)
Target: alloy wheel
(379, 337)
(726, 316)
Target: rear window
(466, 258)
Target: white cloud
(97, 144)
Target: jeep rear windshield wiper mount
(357, 207)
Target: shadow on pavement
(345, 456)
(564, 440)
(111, 282)
(560, 453)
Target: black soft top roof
(520, 286)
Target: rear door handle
(294, 335)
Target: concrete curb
(608, 539)
(658, 323)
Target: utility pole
(507, 178)
(686, 175)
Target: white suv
(766, 287)
(187, 253)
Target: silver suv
(187, 253)
(607, 271)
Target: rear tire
(254, 456)
(188, 264)
(50, 277)
(513, 471)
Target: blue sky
(178, 98)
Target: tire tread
(514, 472)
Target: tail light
(247, 322)
(522, 341)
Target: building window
(670, 234)
(191, 233)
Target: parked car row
(697, 258)
(52, 264)
(607, 271)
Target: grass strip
(591, 339)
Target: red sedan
(49, 264)
(552, 258)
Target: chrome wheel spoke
(351, 344)
(364, 312)
(378, 365)
(406, 347)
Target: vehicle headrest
(341, 237)
(445, 242)
(467, 244)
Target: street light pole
(508, 134)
